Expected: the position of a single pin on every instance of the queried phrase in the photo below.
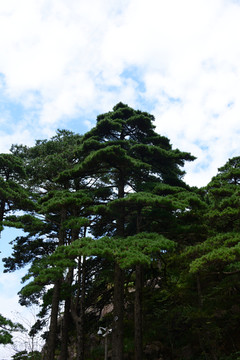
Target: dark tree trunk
(138, 314)
(201, 332)
(80, 323)
(66, 320)
(67, 308)
(117, 345)
(118, 296)
(138, 349)
(78, 310)
(2, 209)
(51, 342)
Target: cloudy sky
(62, 62)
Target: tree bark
(138, 341)
(67, 307)
(51, 342)
(2, 209)
(78, 310)
(118, 295)
(80, 323)
(117, 345)
(138, 314)
(66, 320)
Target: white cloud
(66, 59)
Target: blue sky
(63, 62)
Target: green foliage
(138, 249)
(13, 192)
(24, 355)
(117, 195)
(221, 251)
(6, 329)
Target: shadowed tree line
(114, 237)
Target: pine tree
(122, 184)
(13, 194)
(215, 262)
(123, 154)
(45, 227)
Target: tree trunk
(138, 314)
(117, 345)
(80, 352)
(67, 308)
(66, 319)
(118, 296)
(51, 342)
(138, 350)
(78, 310)
(2, 209)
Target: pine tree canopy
(112, 231)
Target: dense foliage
(114, 238)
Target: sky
(63, 62)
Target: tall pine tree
(125, 155)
